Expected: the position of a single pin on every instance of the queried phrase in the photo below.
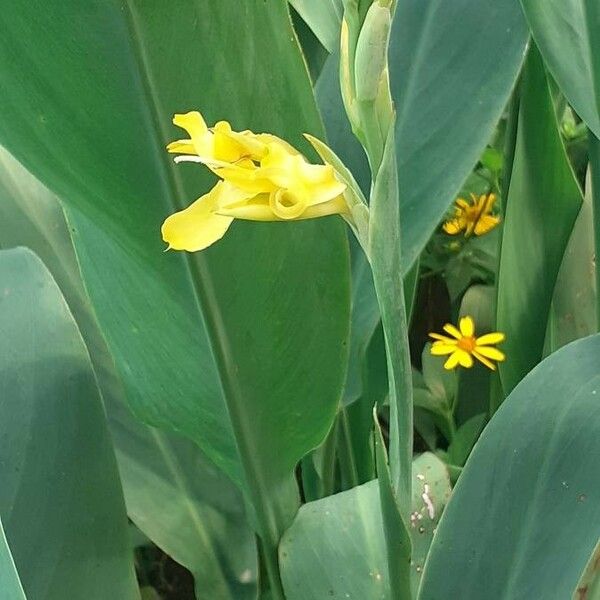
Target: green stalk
(371, 113)
(594, 152)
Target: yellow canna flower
(263, 179)
(473, 217)
(462, 346)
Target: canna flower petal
(198, 226)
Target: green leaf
(464, 439)
(574, 300)
(452, 67)
(431, 492)
(10, 585)
(525, 514)
(197, 339)
(152, 466)
(566, 36)
(205, 513)
(60, 499)
(324, 17)
(398, 543)
(335, 547)
(363, 323)
(536, 229)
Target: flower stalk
(364, 76)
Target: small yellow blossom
(263, 178)
(473, 217)
(462, 346)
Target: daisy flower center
(467, 343)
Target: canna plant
(260, 403)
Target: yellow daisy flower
(473, 217)
(462, 346)
(263, 179)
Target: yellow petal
(490, 338)
(439, 349)
(335, 206)
(462, 203)
(258, 208)
(286, 204)
(490, 352)
(467, 327)
(442, 338)
(485, 224)
(253, 211)
(491, 199)
(192, 122)
(449, 328)
(225, 146)
(181, 147)
(453, 227)
(452, 361)
(292, 172)
(201, 137)
(464, 359)
(196, 227)
(251, 179)
(483, 360)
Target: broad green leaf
(574, 300)
(543, 202)
(464, 439)
(452, 67)
(205, 512)
(568, 41)
(525, 515)
(157, 468)
(60, 500)
(363, 322)
(431, 492)
(10, 585)
(197, 339)
(324, 17)
(336, 547)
